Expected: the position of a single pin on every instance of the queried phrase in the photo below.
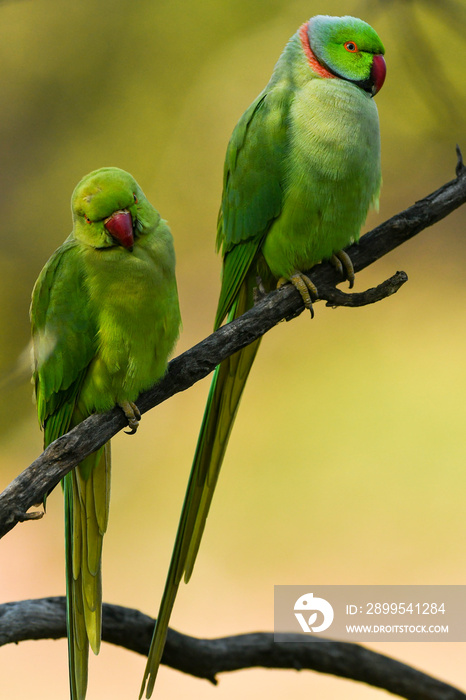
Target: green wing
(252, 199)
(252, 191)
(64, 339)
(64, 342)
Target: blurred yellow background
(346, 463)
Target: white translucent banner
(371, 613)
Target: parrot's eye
(135, 198)
(350, 46)
(88, 221)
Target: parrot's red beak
(378, 73)
(120, 227)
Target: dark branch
(194, 364)
(335, 297)
(205, 658)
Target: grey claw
(133, 416)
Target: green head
(110, 209)
(349, 49)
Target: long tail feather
(222, 404)
(86, 490)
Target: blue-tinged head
(347, 48)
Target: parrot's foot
(341, 261)
(258, 292)
(133, 415)
(305, 287)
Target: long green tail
(87, 494)
(222, 404)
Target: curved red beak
(120, 227)
(378, 73)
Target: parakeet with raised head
(105, 317)
(302, 170)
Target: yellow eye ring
(350, 46)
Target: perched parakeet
(105, 318)
(302, 170)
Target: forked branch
(62, 455)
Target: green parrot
(302, 170)
(105, 318)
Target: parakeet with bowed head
(301, 171)
(105, 318)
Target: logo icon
(313, 605)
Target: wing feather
(64, 344)
(252, 199)
(64, 338)
(252, 190)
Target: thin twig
(335, 297)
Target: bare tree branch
(194, 364)
(45, 618)
(335, 297)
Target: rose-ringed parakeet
(302, 170)
(105, 318)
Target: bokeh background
(346, 464)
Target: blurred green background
(346, 464)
